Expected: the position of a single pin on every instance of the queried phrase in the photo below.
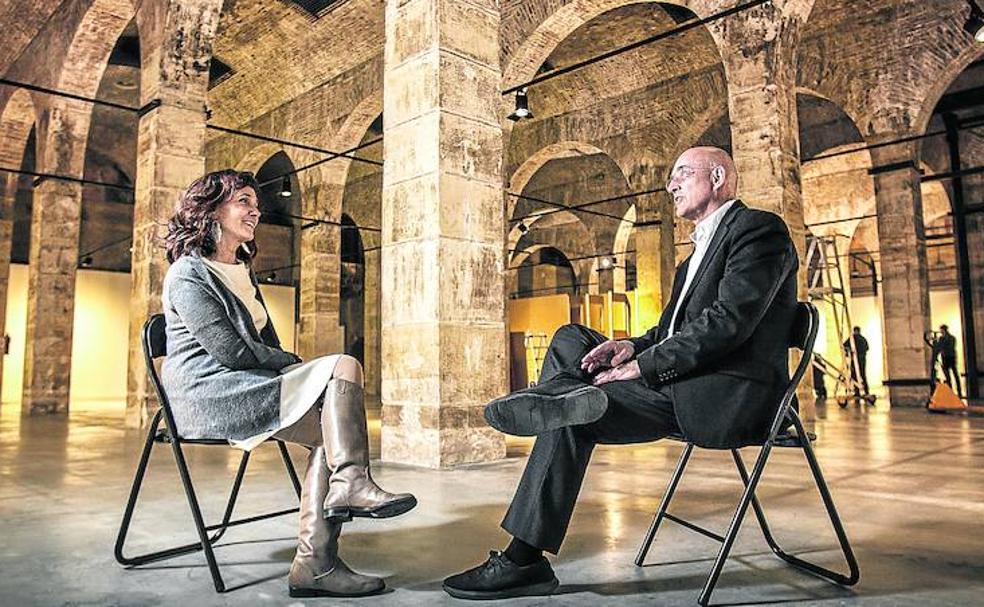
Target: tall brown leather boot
(351, 490)
(317, 570)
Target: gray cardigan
(221, 376)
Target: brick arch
(522, 175)
(848, 112)
(17, 118)
(64, 124)
(578, 268)
(702, 123)
(333, 174)
(354, 130)
(619, 245)
(890, 92)
(92, 42)
(356, 124)
(582, 236)
(537, 45)
(838, 188)
(941, 83)
(254, 159)
(935, 198)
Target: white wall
(866, 313)
(99, 340)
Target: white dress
(303, 383)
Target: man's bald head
(710, 156)
(703, 179)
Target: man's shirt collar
(705, 229)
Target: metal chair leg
(664, 505)
(196, 512)
(219, 529)
(756, 505)
(134, 494)
(735, 526)
(812, 568)
(835, 521)
(289, 464)
(233, 496)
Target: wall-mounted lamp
(975, 22)
(522, 110)
(86, 261)
(607, 263)
(285, 191)
(522, 227)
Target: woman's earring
(215, 232)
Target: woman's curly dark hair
(190, 229)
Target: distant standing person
(946, 348)
(860, 345)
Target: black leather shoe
(529, 412)
(500, 578)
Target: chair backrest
(802, 336)
(155, 346)
(155, 336)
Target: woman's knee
(349, 369)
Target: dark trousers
(862, 363)
(950, 367)
(544, 502)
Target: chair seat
(163, 436)
(784, 439)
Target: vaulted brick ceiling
(646, 66)
(278, 52)
(22, 20)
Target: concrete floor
(907, 483)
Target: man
(946, 347)
(713, 370)
(856, 343)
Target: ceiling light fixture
(522, 110)
(285, 191)
(975, 22)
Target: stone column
(176, 39)
(905, 279)
(371, 293)
(8, 192)
(319, 330)
(443, 315)
(975, 247)
(655, 263)
(761, 69)
(53, 259)
(653, 233)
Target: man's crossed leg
(538, 517)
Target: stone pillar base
(908, 396)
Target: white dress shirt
(701, 237)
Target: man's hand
(607, 355)
(629, 370)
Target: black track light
(975, 22)
(522, 110)
(285, 190)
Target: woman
(228, 378)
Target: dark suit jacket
(727, 363)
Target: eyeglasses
(683, 173)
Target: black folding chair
(155, 346)
(803, 335)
